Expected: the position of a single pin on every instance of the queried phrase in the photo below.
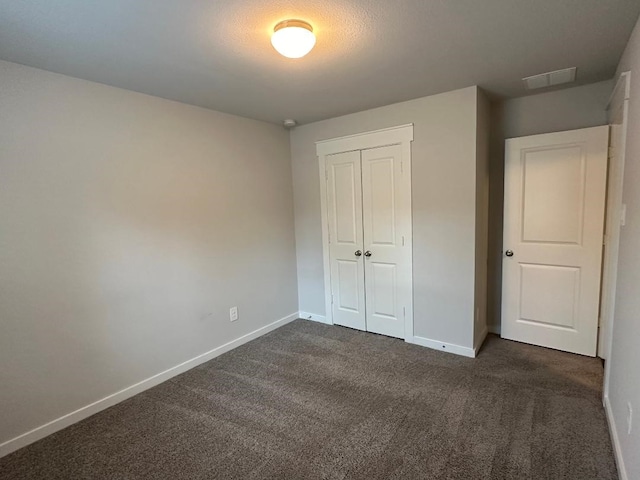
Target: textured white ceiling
(217, 53)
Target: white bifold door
(369, 215)
(554, 202)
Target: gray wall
(624, 380)
(128, 227)
(483, 131)
(568, 109)
(444, 186)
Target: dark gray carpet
(313, 401)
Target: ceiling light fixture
(293, 38)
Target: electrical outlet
(233, 314)
(629, 417)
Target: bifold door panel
(385, 213)
(344, 203)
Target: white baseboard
(613, 432)
(422, 341)
(481, 339)
(442, 346)
(106, 402)
(314, 317)
(494, 329)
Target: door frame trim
(401, 135)
(619, 102)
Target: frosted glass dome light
(293, 38)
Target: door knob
(358, 253)
(508, 253)
(367, 254)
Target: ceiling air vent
(550, 79)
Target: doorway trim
(618, 105)
(619, 101)
(401, 135)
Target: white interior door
(387, 254)
(344, 208)
(553, 226)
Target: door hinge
(404, 312)
(604, 239)
(332, 299)
(401, 166)
(403, 240)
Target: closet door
(387, 254)
(344, 205)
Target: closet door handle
(367, 254)
(358, 253)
